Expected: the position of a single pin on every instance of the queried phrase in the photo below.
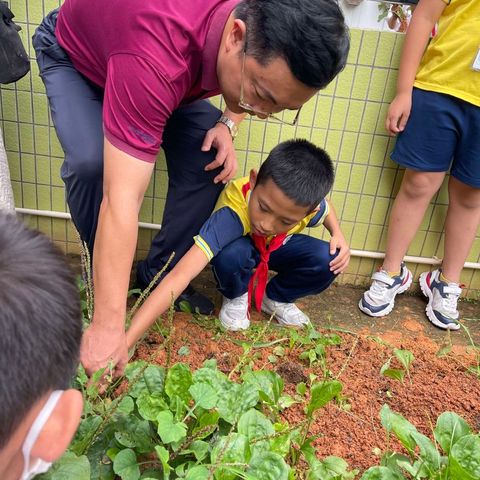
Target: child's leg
(409, 207)
(233, 267)
(463, 219)
(302, 267)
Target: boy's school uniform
(230, 219)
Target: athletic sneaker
(442, 300)
(379, 299)
(286, 314)
(234, 313)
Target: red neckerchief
(260, 276)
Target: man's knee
(85, 165)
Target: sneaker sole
(230, 329)
(429, 310)
(389, 307)
(281, 324)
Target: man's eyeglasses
(249, 109)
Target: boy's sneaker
(286, 314)
(442, 300)
(379, 299)
(234, 313)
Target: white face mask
(39, 465)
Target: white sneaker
(286, 314)
(442, 300)
(379, 299)
(234, 313)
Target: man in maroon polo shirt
(126, 77)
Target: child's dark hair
(40, 321)
(301, 170)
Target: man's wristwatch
(230, 125)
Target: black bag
(14, 61)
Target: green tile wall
(347, 119)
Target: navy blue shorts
(442, 133)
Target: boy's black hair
(310, 35)
(301, 170)
(40, 321)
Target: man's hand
(341, 261)
(219, 137)
(398, 113)
(103, 346)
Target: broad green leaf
(230, 449)
(198, 472)
(255, 425)
(402, 428)
(394, 373)
(207, 423)
(204, 395)
(331, 468)
(428, 453)
(381, 473)
(179, 380)
(405, 357)
(169, 430)
(154, 376)
(183, 351)
(322, 393)
(199, 448)
(301, 389)
(266, 381)
(133, 432)
(267, 466)
(126, 405)
(465, 458)
(286, 401)
(149, 406)
(134, 372)
(449, 429)
(164, 457)
(125, 465)
(236, 399)
(69, 466)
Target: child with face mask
(40, 332)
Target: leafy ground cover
(199, 403)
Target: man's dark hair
(310, 35)
(301, 170)
(40, 321)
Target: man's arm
(125, 181)
(191, 264)
(426, 14)
(337, 242)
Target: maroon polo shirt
(150, 56)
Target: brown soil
(351, 428)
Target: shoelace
(378, 287)
(450, 301)
(238, 302)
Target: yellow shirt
(446, 66)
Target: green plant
(405, 358)
(175, 423)
(454, 455)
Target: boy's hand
(341, 261)
(398, 113)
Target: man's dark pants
(76, 107)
